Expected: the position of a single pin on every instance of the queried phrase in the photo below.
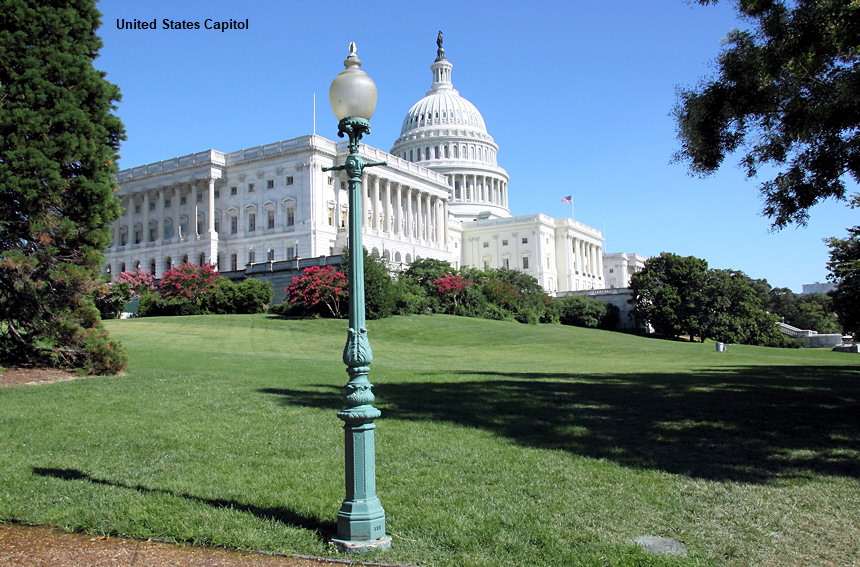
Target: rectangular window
(270, 219)
(234, 225)
(486, 244)
(331, 217)
(270, 255)
(291, 253)
(217, 193)
(199, 197)
(504, 242)
(166, 203)
(234, 190)
(252, 222)
(506, 263)
(270, 184)
(525, 240)
(331, 181)
(234, 262)
(183, 199)
(250, 187)
(251, 256)
(217, 224)
(525, 262)
(289, 179)
(291, 216)
(152, 205)
(137, 209)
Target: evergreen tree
(58, 147)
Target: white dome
(444, 132)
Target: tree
(844, 267)
(733, 311)
(668, 294)
(787, 93)
(319, 286)
(58, 148)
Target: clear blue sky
(578, 95)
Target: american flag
(568, 199)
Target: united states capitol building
(441, 195)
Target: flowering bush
(139, 281)
(188, 281)
(320, 285)
(452, 285)
(500, 293)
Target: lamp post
(361, 519)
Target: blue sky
(578, 95)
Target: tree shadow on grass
(748, 424)
(324, 530)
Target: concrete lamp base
(350, 546)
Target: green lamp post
(361, 519)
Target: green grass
(500, 443)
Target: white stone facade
(619, 267)
(441, 195)
(273, 203)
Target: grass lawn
(500, 443)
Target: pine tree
(58, 148)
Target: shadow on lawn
(288, 517)
(749, 424)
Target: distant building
(618, 268)
(818, 287)
(441, 195)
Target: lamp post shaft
(361, 519)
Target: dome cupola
(446, 133)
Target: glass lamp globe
(352, 92)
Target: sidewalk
(27, 546)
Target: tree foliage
(682, 296)
(668, 294)
(58, 147)
(787, 92)
(844, 267)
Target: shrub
(188, 281)
(320, 286)
(581, 311)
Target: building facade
(441, 195)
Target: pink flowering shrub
(452, 285)
(320, 285)
(188, 281)
(139, 281)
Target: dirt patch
(32, 376)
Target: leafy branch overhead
(787, 95)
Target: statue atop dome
(440, 52)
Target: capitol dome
(446, 133)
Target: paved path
(27, 546)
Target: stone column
(177, 212)
(192, 229)
(386, 208)
(159, 231)
(212, 235)
(409, 215)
